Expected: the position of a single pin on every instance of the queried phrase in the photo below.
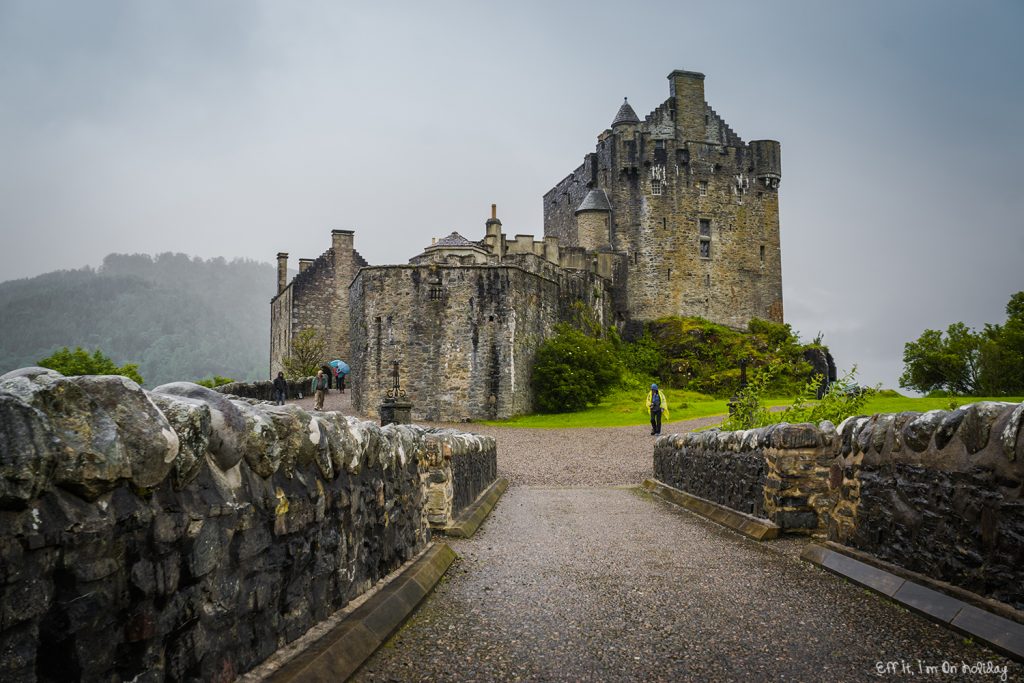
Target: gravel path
(599, 584)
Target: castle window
(707, 279)
(436, 293)
(702, 187)
(705, 227)
(762, 253)
(705, 248)
(656, 187)
(705, 238)
(659, 144)
(669, 273)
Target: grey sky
(248, 128)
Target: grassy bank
(623, 409)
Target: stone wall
(940, 493)
(465, 336)
(264, 391)
(316, 298)
(183, 534)
(457, 468)
(778, 473)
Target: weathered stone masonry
(181, 534)
(675, 215)
(939, 493)
(692, 207)
(316, 298)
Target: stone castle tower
(692, 208)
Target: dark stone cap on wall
(596, 200)
(686, 74)
(343, 232)
(625, 114)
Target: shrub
(573, 370)
(215, 381)
(748, 409)
(81, 362)
(844, 398)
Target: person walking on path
(280, 389)
(319, 387)
(656, 405)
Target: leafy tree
(573, 370)
(309, 352)
(964, 362)
(81, 362)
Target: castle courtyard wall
(465, 336)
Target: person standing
(657, 405)
(280, 389)
(319, 387)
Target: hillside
(179, 318)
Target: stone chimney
(493, 237)
(304, 264)
(282, 271)
(687, 89)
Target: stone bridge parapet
(940, 493)
(182, 533)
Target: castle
(673, 215)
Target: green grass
(623, 409)
(891, 402)
(626, 408)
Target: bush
(215, 381)
(703, 356)
(81, 362)
(573, 370)
(844, 398)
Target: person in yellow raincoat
(657, 405)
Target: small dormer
(454, 247)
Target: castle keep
(692, 208)
(674, 215)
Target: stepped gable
(625, 114)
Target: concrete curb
(751, 527)
(999, 633)
(339, 653)
(470, 519)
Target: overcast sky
(247, 128)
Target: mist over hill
(179, 318)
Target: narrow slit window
(762, 253)
(705, 248)
(705, 227)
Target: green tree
(573, 370)
(962, 361)
(309, 352)
(81, 362)
(1002, 352)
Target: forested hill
(179, 318)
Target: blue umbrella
(340, 367)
